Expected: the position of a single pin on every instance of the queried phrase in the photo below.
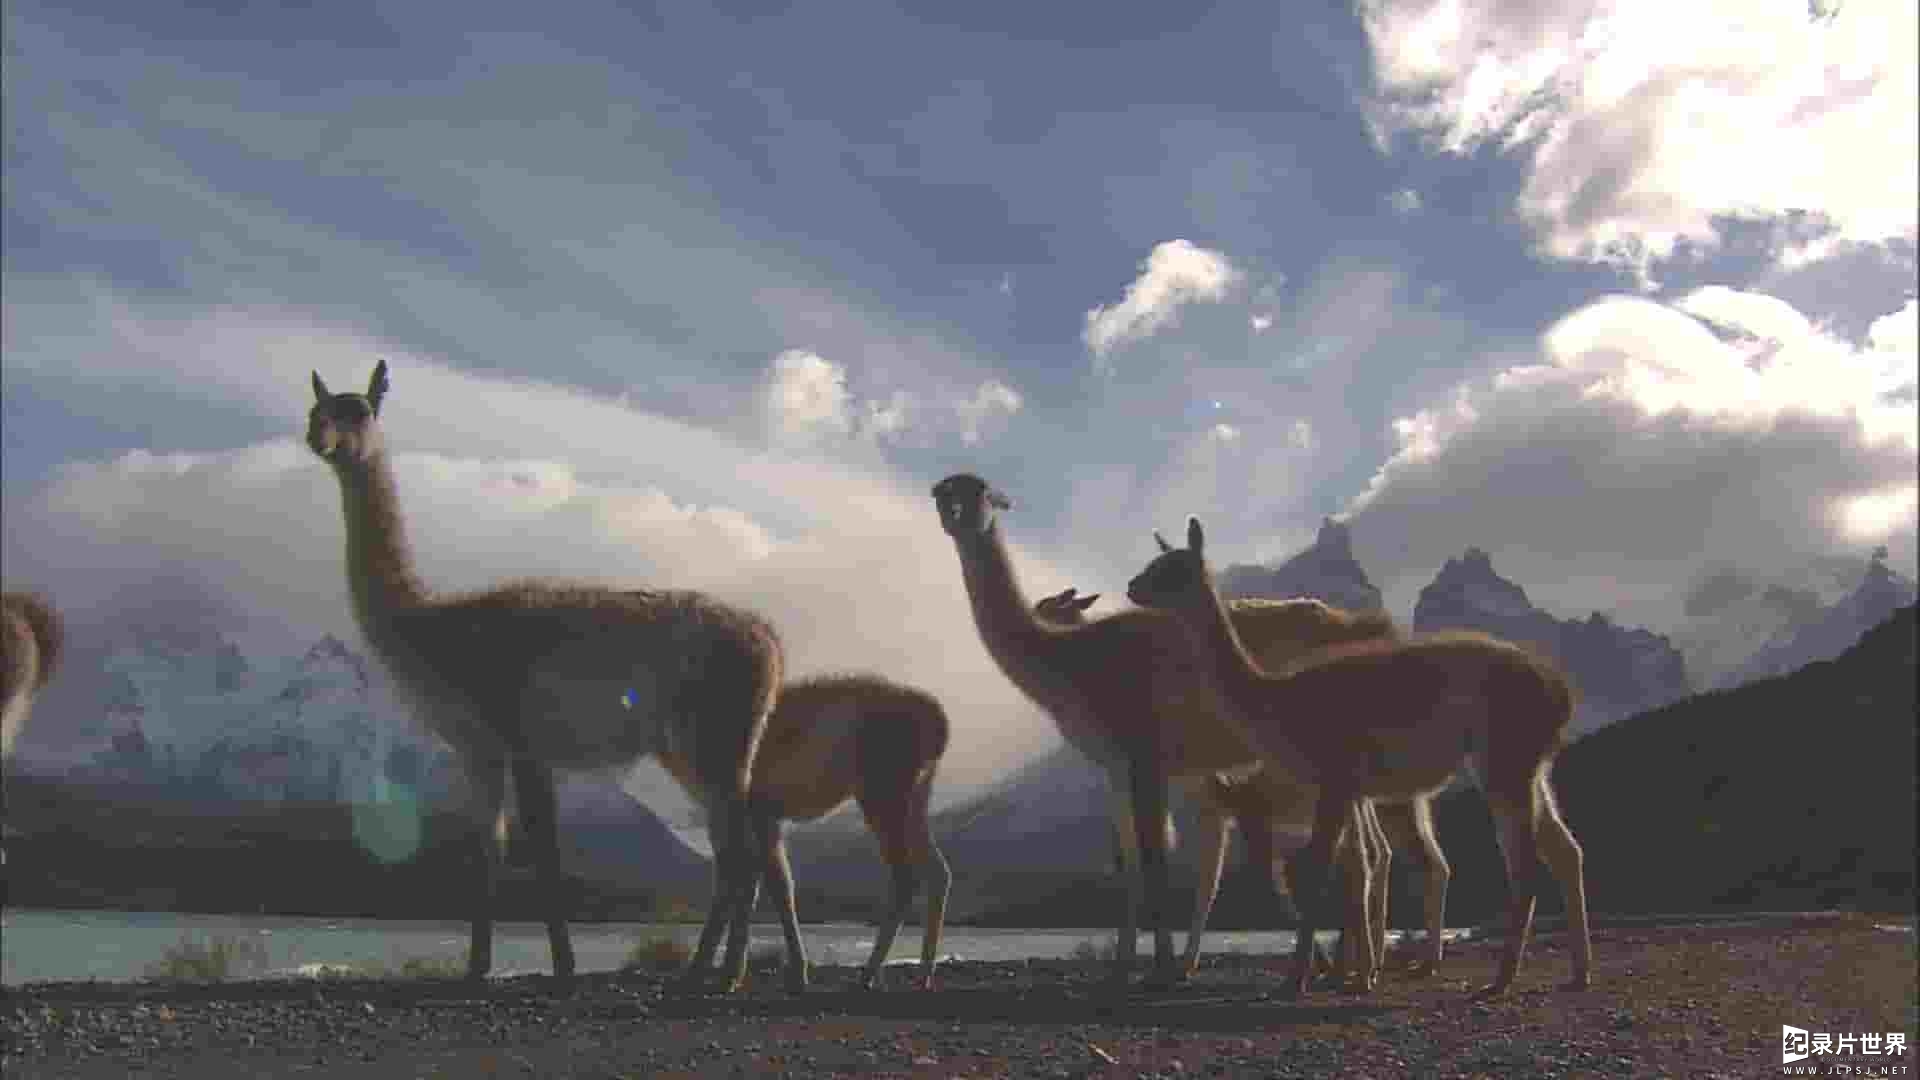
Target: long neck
(1228, 663)
(1015, 637)
(379, 565)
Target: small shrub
(1088, 952)
(433, 967)
(658, 953)
(355, 969)
(209, 959)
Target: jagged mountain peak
(331, 652)
(1620, 670)
(1830, 630)
(328, 648)
(1468, 587)
(1326, 570)
(1473, 564)
(1881, 578)
(1334, 538)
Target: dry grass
(659, 953)
(1090, 952)
(209, 959)
(433, 967)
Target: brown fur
(1411, 713)
(530, 676)
(1128, 690)
(1260, 803)
(863, 737)
(31, 640)
(43, 622)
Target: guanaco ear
(1195, 538)
(319, 388)
(998, 500)
(1162, 541)
(377, 386)
(1085, 602)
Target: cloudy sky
(711, 294)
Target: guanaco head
(1177, 578)
(340, 427)
(967, 505)
(1066, 607)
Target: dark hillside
(1792, 793)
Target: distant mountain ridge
(1829, 631)
(1618, 670)
(179, 712)
(180, 709)
(1793, 792)
(1327, 570)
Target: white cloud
(1643, 121)
(1175, 274)
(1404, 202)
(1225, 433)
(891, 418)
(1300, 435)
(985, 413)
(1641, 444)
(1260, 323)
(1751, 314)
(508, 478)
(1898, 333)
(807, 397)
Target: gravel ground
(1668, 1000)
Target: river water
(121, 945)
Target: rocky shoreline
(1694, 999)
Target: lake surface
(121, 945)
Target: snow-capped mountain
(1830, 630)
(1618, 670)
(1327, 571)
(200, 717)
(180, 708)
